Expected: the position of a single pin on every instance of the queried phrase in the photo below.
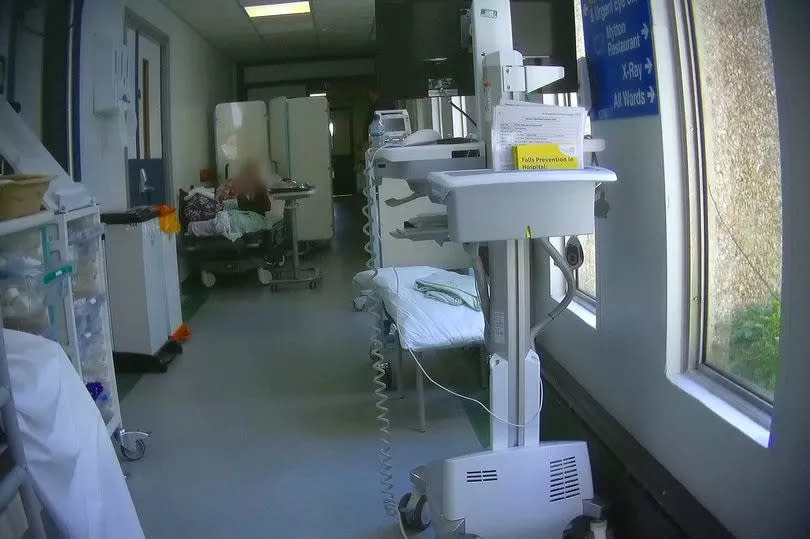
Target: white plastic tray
(488, 205)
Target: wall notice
(619, 47)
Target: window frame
(584, 306)
(583, 297)
(459, 120)
(737, 391)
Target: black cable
(464, 113)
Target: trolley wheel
(274, 287)
(134, 454)
(208, 279)
(315, 284)
(418, 518)
(265, 276)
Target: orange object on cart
(169, 222)
(182, 334)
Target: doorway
(342, 129)
(148, 178)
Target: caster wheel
(274, 287)
(416, 518)
(315, 284)
(265, 276)
(208, 279)
(134, 454)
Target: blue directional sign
(619, 47)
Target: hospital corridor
(390, 269)
(272, 422)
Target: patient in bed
(241, 205)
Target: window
(459, 106)
(736, 224)
(586, 275)
(436, 114)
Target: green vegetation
(754, 348)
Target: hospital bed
(260, 251)
(422, 324)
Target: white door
(311, 162)
(241, 135)
(146, 168)
(279, 144)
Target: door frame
(142, 26)
(350, 110)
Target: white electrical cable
(375, 307)
(465, 397)
(401, 526)
(481, 404)
(571, 288)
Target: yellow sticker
(528, 232)
(548, 156)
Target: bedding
(451, 288)
(423, 323)
(233, 224)
(201, 205)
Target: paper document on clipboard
(516, 123)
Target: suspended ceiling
(333, 28)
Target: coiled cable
(375, 308)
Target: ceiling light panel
(272, 10)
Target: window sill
(726, 404)
(582, 309)
(585, 311)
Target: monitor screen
(421, 45)
(531, 28)
(393, 124)
(543, 31)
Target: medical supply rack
(72, 242)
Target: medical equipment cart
(520, 487)
(60, 291)
(65, 239)
(80, 240)
(144, 290)
(293, 195)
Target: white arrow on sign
(648, 66)
(651, 94)
(645, 30)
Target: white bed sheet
(423, 323)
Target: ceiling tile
(283, 25)
(335, 27)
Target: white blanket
(73, 465)
(451, 288)
(224, 225)
(423, 323)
